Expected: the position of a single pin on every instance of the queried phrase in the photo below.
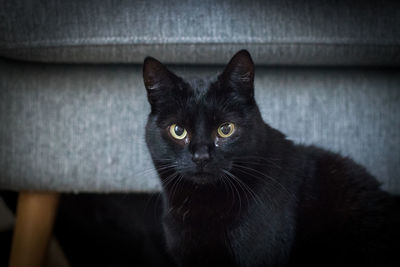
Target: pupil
(179, 130)
(226, 129)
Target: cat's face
(197, 129)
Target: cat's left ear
(239, 73)
(157, 79)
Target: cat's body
(237, 193)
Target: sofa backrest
(276, 32)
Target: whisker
(258, 157)
(234, 186)
(242, 168)
(175, 186)
(267, 187)
(225, 184)
(230, 180)
(147, 171)
(255, 159)
(166, 167)
(253, 194)
(237, 180)
(166, 181)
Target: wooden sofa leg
(33, 228)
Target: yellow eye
(226, 129)
(177, 131)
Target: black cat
(236, 192)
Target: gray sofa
(73, 105)
(70, 125)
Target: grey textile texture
(81, 127)
(276, 32)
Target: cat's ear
(157, 78)
(239, 73)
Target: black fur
(257, 199)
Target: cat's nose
(201, 156)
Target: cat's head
(198, 128)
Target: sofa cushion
(313, 32)
(81, 127)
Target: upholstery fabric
(81, 127)
(276, 32)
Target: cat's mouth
(201, 174)
(202, 177)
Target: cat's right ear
(156, 78)
(239, 74)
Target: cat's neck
(206, 203)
